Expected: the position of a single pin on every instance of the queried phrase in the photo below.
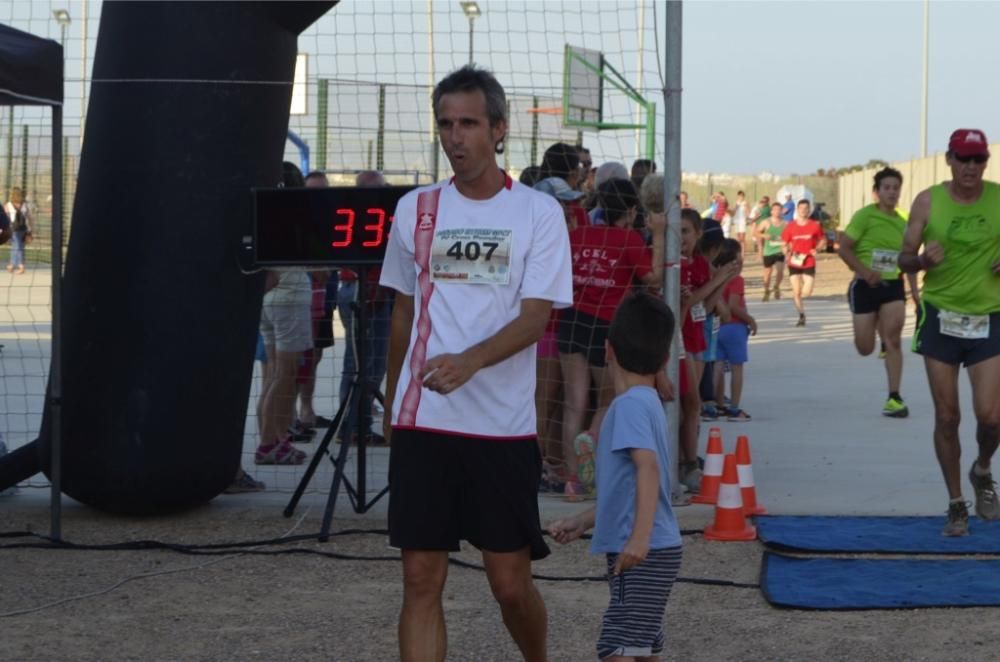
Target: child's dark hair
(710, 241)
(641, 333)
(616, 197)
(693, 217)
(886, 173)
(730, 251)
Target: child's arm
(740, 313)
(571, 528)
(722, 275)
(647, 489)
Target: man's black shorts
(444, 488)
(863, 298)
(580, 333)
(771, 260)
(929, 341)
(799, 271)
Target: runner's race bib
(698, 312)
(478, 256)
(885, 262)
(967, 327)
(797, 259)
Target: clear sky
(785, 87)
(795, 86)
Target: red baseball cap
(968, 142)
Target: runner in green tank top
(768, 233)
(870, 247)
(958, 222)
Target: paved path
(819, 442)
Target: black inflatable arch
(188, 111)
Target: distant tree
(877, 163)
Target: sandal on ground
(737, 415)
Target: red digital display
(372, 228)
(328, 226)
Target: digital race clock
(323, 226)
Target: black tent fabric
(31, 69)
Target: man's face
(466, 135)
(888, 191)
(776, 211)
(967, 171)
(684, 199)
(802, 211)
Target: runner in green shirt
(768, 233)
(958, 222)
(870, 246)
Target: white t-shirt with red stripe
(468, 267)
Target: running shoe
(895, 409)
(881, 351)
(583, 444)
(777, 293)
(958, 520)
(245, 483)
(279, 452)
(709, 412)
(802, 320)
(692, 481)
(987, 507)
(766, 297)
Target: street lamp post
(472, 12)
(63, 19)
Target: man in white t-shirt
(478, 263)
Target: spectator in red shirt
(733, 334)
(700, 289)
(548, 372)
(803, 238)
(563, 160)
(608, 261)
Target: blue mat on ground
(855, 584)
(875, 535)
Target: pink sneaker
(279, 452)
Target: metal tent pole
(671, 189)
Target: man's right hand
(932, 256)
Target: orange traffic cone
(711, 477)
(744, 469)
(729, 521)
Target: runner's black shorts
(580, 333)
(863, 298)
(771, 260)
(799, 271)
(929, 341)
(444, 488)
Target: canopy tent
(31, 74)
(31, 70)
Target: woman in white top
(20, 225)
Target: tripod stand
(356, 493)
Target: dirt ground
(164, 605)
(309, 607)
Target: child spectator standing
(633, 522)
(734, 334)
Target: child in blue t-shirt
(633, 522)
